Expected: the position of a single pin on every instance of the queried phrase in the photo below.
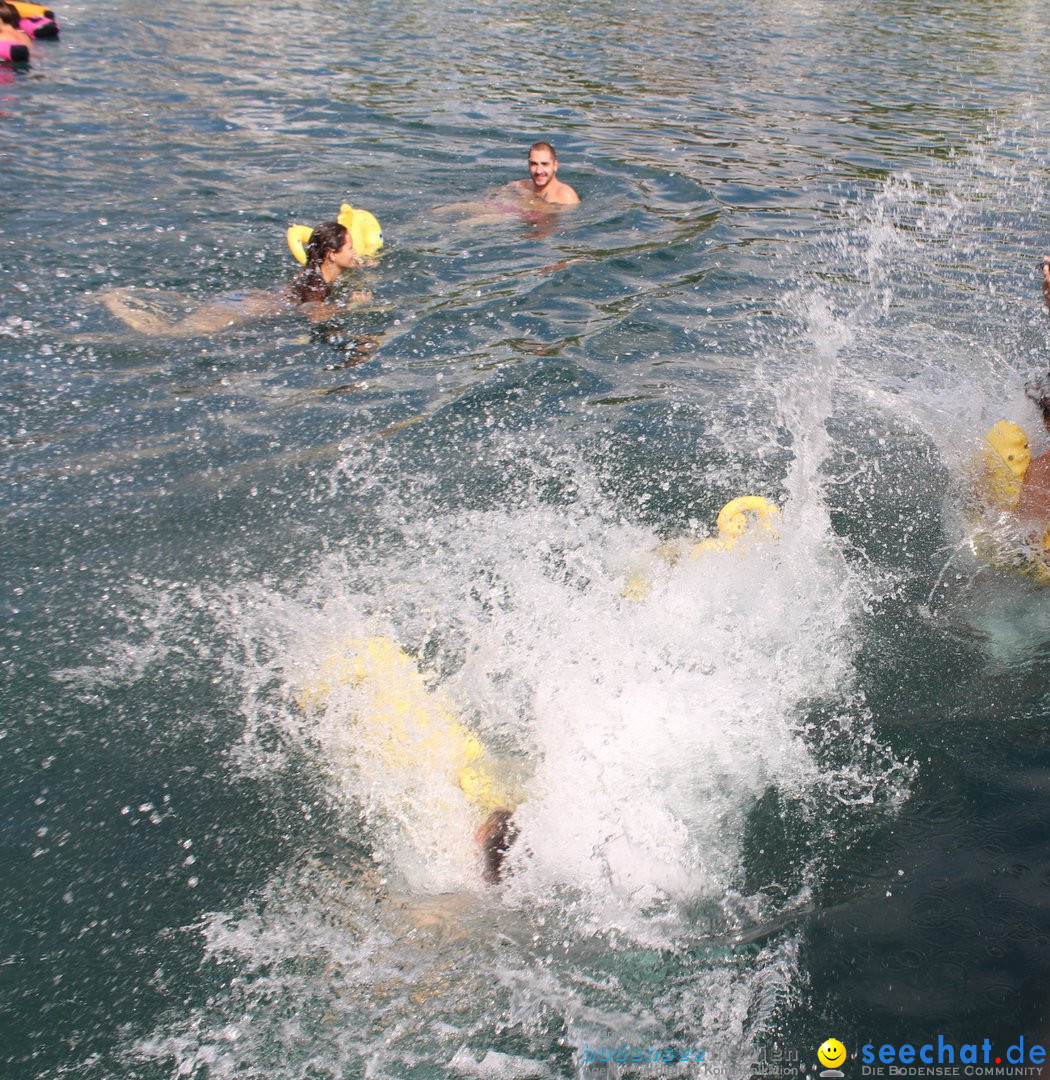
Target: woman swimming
(329, 252)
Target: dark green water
(794, 792)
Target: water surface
(792, 792)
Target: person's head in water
(1038, 390)
(495, 838)
(543, 165)
(329, 251)
(328, 237)
(9, 15)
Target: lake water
(794, 791)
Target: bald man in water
(543, 182)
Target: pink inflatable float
(12, 52)
(36, 22)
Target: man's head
(1038, 390)
(543, 164)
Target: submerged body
(330, 253)
(143, 311)
(414, 734)
(1013, 489)
(1012, 525)
(1033, 503)
(1033, 500)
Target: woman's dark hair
(309, 284)
(9, 14)
(326, 237)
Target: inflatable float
(744, 516)
(363, 227)
(32, 11)
(747, 517)
(997, 538)
(12, 52)
(36, 20)
(400, 723)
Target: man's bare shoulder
(564, 195)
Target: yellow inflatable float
(363, 227)
(1004, 460)
(746, 517)
(30, 11)
(402, 722)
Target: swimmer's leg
(137, 311)
(134, 311)
(234, 310)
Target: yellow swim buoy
(744, 516)
(403, 722)
(32, 11)
(298, 237)
(1005, 457)
(740, 517)
(364, 229)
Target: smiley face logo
(832, 1053)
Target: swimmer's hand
(361, 296)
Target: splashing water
(646, 732)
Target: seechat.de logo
(831, 1055)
